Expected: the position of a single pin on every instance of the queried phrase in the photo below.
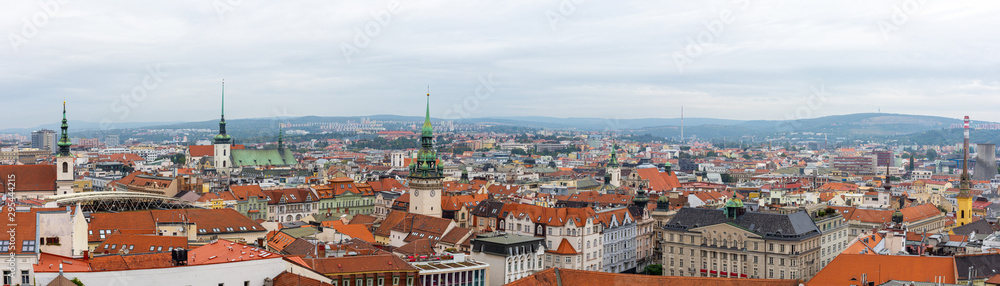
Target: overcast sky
(608, 59)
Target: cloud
(563, 58)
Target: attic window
(215, 229)
(201, 230)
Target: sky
(164, 61)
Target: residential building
(288, 205)
(834, 237)
(619, 240)
(343, 195)
(866, 269)
(571, 234)
(44, 140)
(510, 256)
(250, 201)
(733, 242)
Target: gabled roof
(390, 221)
(358, 231)
(289, 196)
(134, 244)
(31, 177)
(979, 227)
(985, 265)
(208, 150)
(549, 216)
(847, 269)
(565, 248)
(659, 181)
(457, 235)
(417, 247)
(244, 192)
(354, 264)
(289, 279)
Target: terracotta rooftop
(570, 277)
(847, 269)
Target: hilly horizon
(859, 124)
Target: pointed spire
(426, 162)
(280, 144)
(222, 137)
(965, 184)
(64, 142)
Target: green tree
(931, 155)
(654, 269)
(77, 281)
(711, 154)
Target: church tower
(223, 143)
(426, 174)
(614, 168)
(64, 160)
(964, 198)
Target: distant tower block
(986, 162)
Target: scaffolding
(119, 201)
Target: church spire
(64, 142)
(281, 146)
(426, 162)
(222, 137)
(965, 184)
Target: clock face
(416, 193)
(432, 193)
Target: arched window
(65, 167)
(223, 164)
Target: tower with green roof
(223, 142)
(614, 169)
(426, 173)
(65, 174)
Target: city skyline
(587, 59)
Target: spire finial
(223, 99)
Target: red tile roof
(117, 243)
(549, 216)
(356, 264)
(571, 277)
(208, 150)
(289, 279)
(564, 248)
(847, 269)
(358, 231)
(659, 181)
(30, 177)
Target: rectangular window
(395, 280)
(409, 281)
(381, 281)
(25, 279)
(370, 282)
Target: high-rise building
(44, 140)
(986, 162)
(883, 158)
(426, 174)
(111, 141)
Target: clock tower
(426, 177)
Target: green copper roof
(64, 142)
(613, 162)
(269, 157)
(427, 129)
(426, 165)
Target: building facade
(510, 256)
(736, 243)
